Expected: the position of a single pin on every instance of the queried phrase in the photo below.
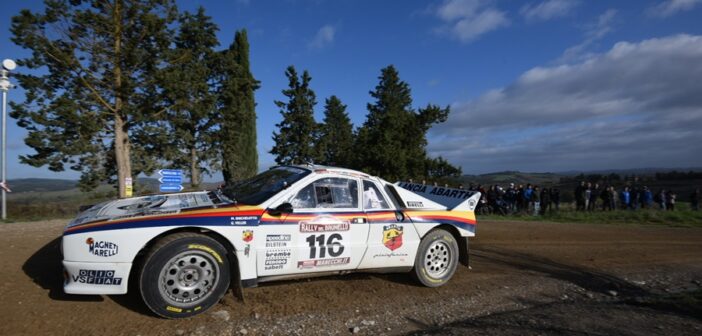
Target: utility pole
(5, 85)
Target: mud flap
(463, 252)
(236, 285)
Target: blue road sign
(171, 172)
(170, 187)
(170, 180)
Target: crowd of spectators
(532, 199)
(589, 197)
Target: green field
(681, 217)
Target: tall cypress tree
(238, 110)
(192, 113)
(98, 87)
(336, 134)
(392, 141)
(295, 142)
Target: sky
(539, 86)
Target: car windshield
(263, 186)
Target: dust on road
(526, 277)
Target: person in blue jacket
(625, 198)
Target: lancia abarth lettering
(185, 250)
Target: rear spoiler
(426, 197)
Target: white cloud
(466, 20)
(593, 33)
(671, 7)
(323, 38)
(548, 9)
(636, 105)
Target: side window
(372, 198)
(328, 193)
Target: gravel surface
(525, 278)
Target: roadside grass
(682, 216)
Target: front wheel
(437, 258)
(183, 275)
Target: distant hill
(504, 178)
(633, 171)
(41, 184)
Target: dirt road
(526, 278)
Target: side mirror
(285, 208)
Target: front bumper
(95, 278)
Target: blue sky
(543, 85)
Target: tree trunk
(122, 148)
(194, 169)
(122, 152)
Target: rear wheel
(184, 274)
(437, 258)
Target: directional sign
(170, 188)
(171, 172)
(170, 180)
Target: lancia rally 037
(184, 251)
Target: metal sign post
(5, 85)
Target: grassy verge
(682, 217)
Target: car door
(327, 230)
(392, 239)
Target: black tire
(437, 258)
(184, 274)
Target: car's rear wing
(425, 197)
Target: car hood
(144, 206)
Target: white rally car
(184, 251)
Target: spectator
(511, 197)
(695, 200)
(588, 193)
(520, 198)
(580, 196)
(527, 196)
(536, 200)
(545, 200)
(648, 198)
(492, 196)
(660, 199)
(626, 198)
(670, 201)
(556, 198)
(593, 197)
(613, 198)
(606, 204)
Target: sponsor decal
(243, 220)
(247, 250)
(247, 235)
(208, 250)
(174, 309)
(392, 236)
(440, 191)
(415, 204)
(277, 259)
(414, 187)
(102, 248)
(390, 255)
(324, 224)
(323, 262)
(97, 277)
(279, 240)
